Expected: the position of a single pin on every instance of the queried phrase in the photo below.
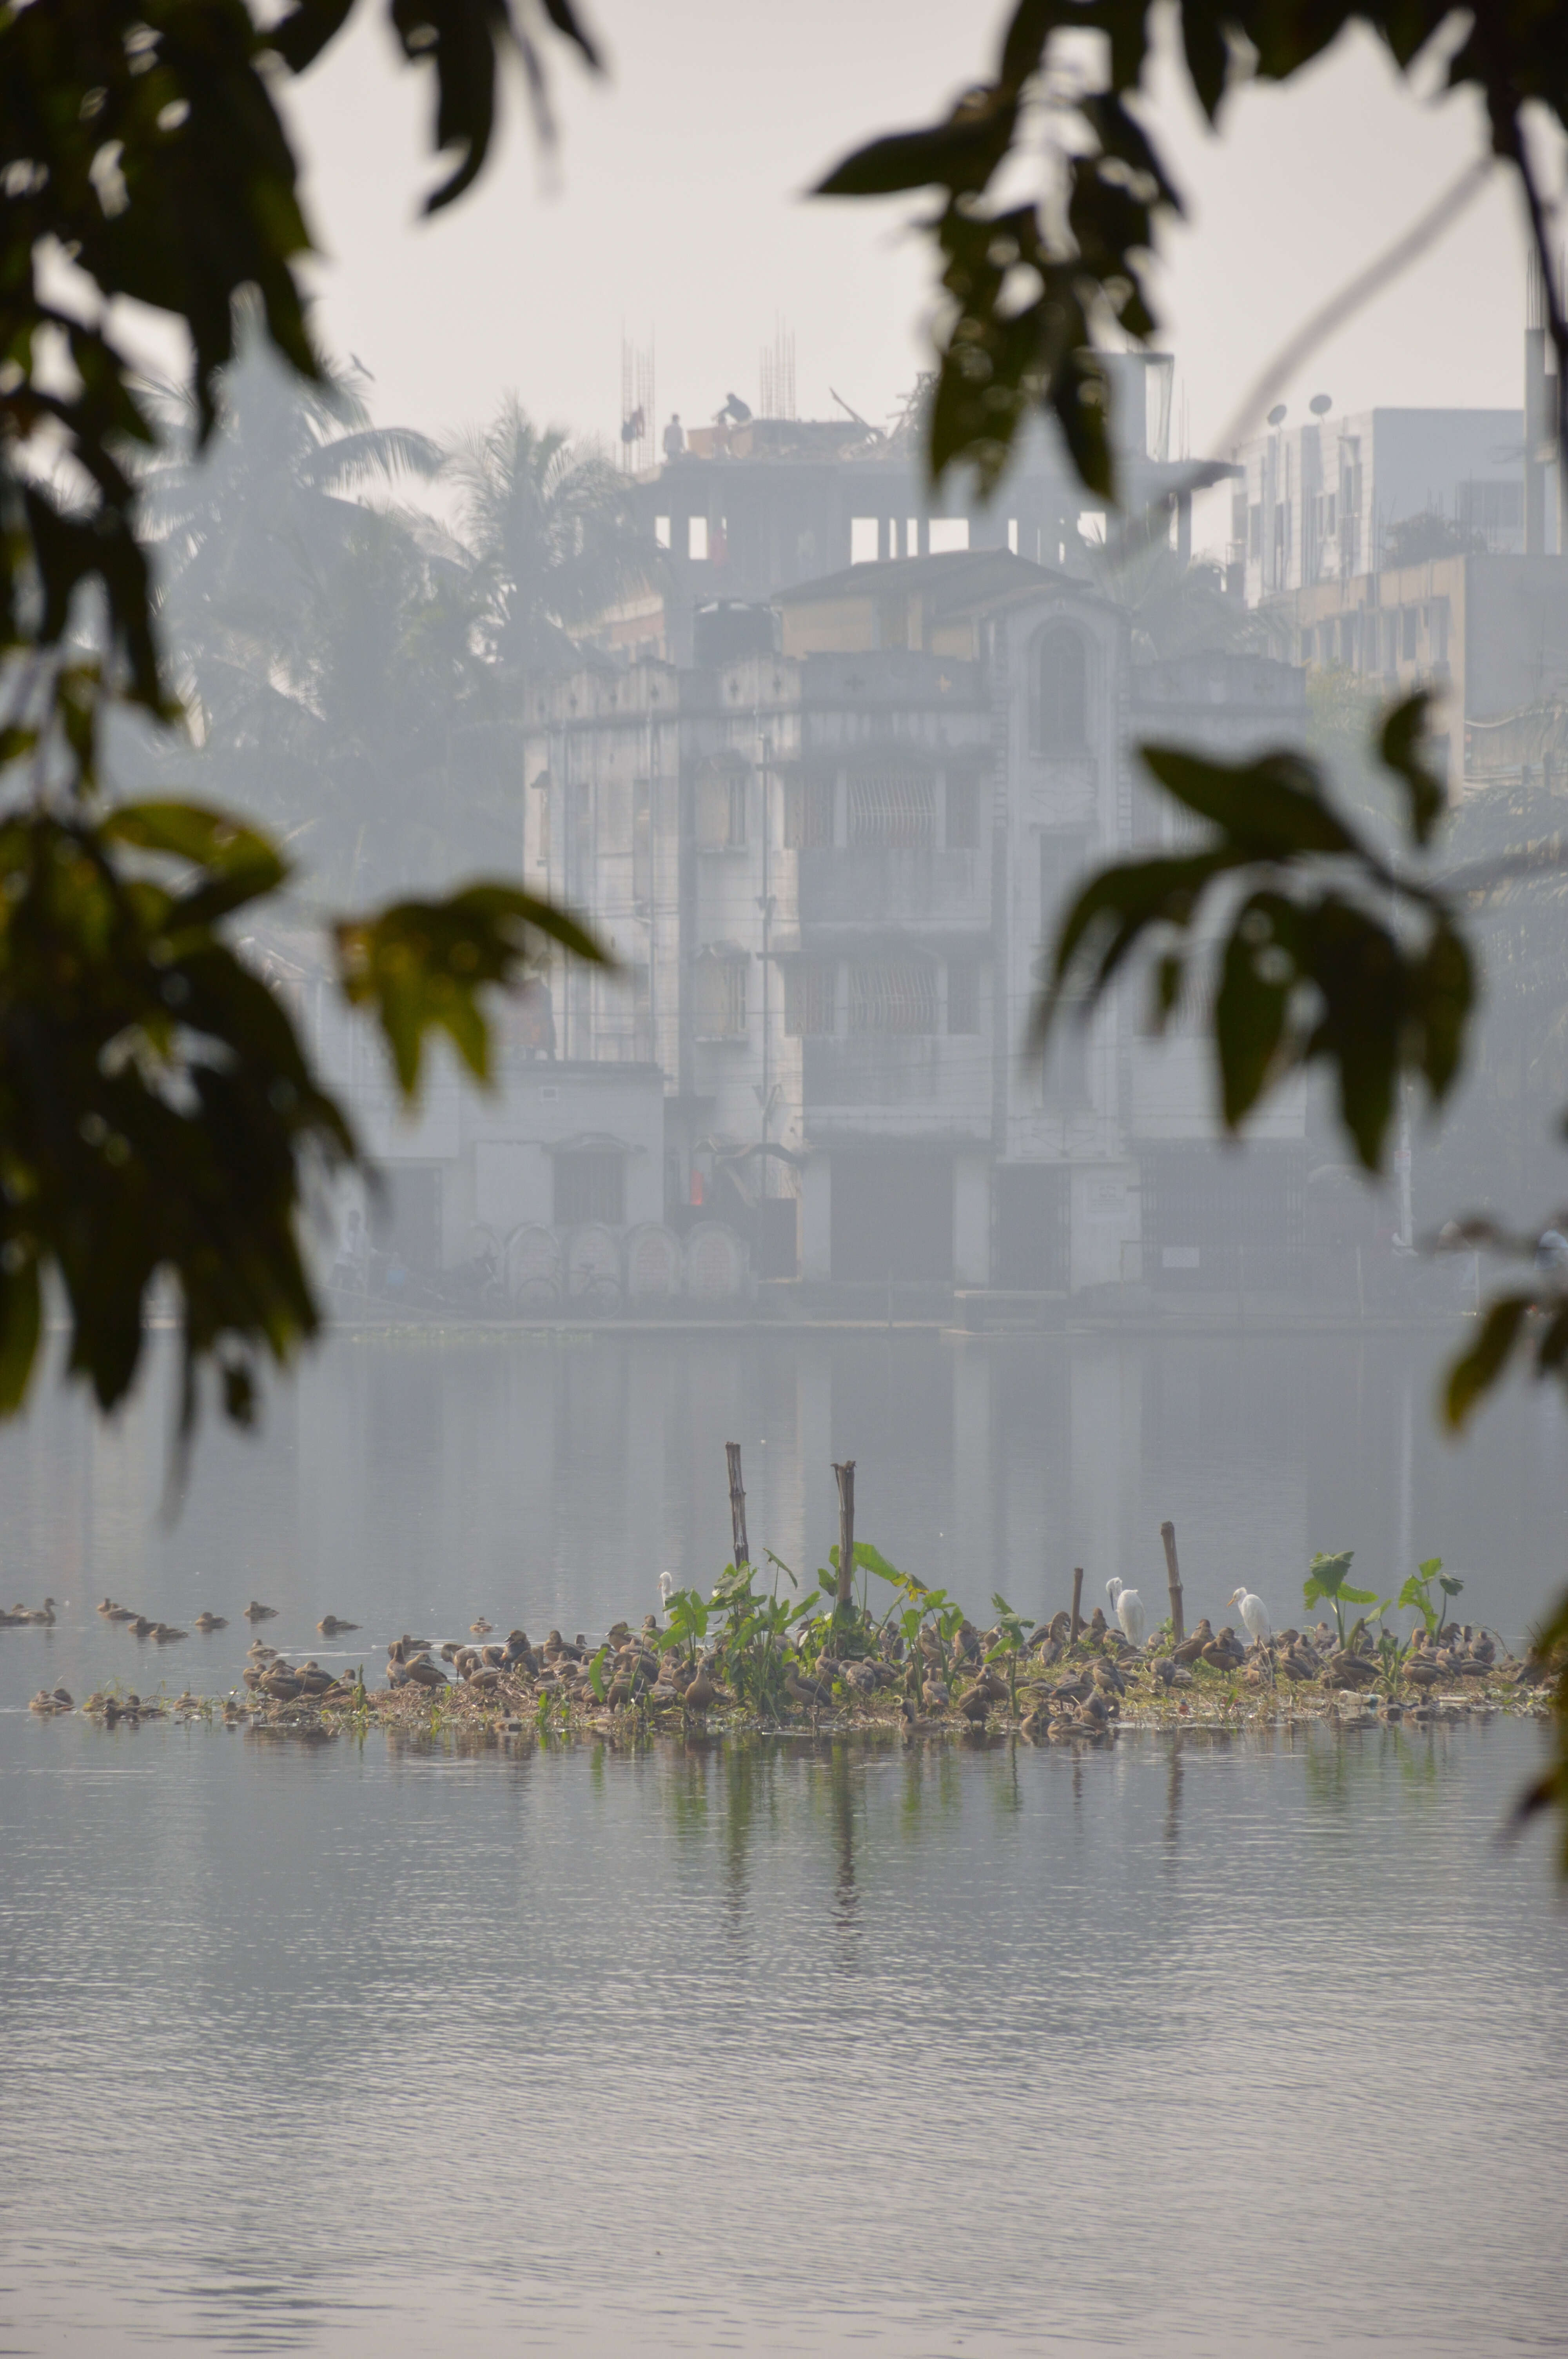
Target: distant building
(1487, 635)
(825, 853)
(748, 510)
(1320, 502)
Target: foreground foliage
(158, 1117)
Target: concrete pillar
(817, 1219)
(971, 1220)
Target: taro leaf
(872, 1560)
(1326, 1578)
(596, 1673)
(1400, 749)
(1474, 1374)
(420, 965)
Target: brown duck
(1193, 1646)
(810, 1693)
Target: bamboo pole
(846, 1474)
(1173, 1574)
(1077, 1602)
(737, 1502)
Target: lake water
(1215, 2047)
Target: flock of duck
(1064, 1681)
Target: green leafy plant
(1311, 965)
(1417, 1592)
(1012, 1643)
(687, 1615)
(1327, 1579)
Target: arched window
(1062, 693)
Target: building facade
(826, 862)
(1318, 503)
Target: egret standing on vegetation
(666, 1583)
(1254, 1612)
(1128, 1607)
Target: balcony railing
(862, 884)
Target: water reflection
(405, 1479)
(550, 2040)
(405, 2043)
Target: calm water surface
(1242, 2047)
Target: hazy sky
(675, 206)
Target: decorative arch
(1061, 685)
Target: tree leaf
(1473, 1375)
(1270, 809)
(420, 966)
(1399, 750)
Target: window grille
(721, 998)
(1062, 694)
(721, 807)
(892, 812)
(591, 1185)
(963, 996)
(889, 998)
(808, 812)
(809, 997)
(963, 814)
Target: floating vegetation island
(738, 1661)
(765, 1659)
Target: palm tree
(552, 535)
(1174, 607)
(360, 715)
(279, 482)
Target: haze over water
(1232, 2047)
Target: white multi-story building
(826, 856)
(1316, 501)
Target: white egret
(1128, 1607)
(1253, 1612)
(666, 1584)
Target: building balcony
(921, 1085)
(871, 886)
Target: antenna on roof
(853, 413)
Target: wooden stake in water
(845, 1473)
(737, 1502)
(1077, 1602)
(1173, 1574)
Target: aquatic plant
(685, 1614)
(1327, 1579)
(1417, 1592)
(1012, 1641)
(752, 1645)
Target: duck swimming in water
(331, 1627)
(255, 1612)
(206, 1623)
